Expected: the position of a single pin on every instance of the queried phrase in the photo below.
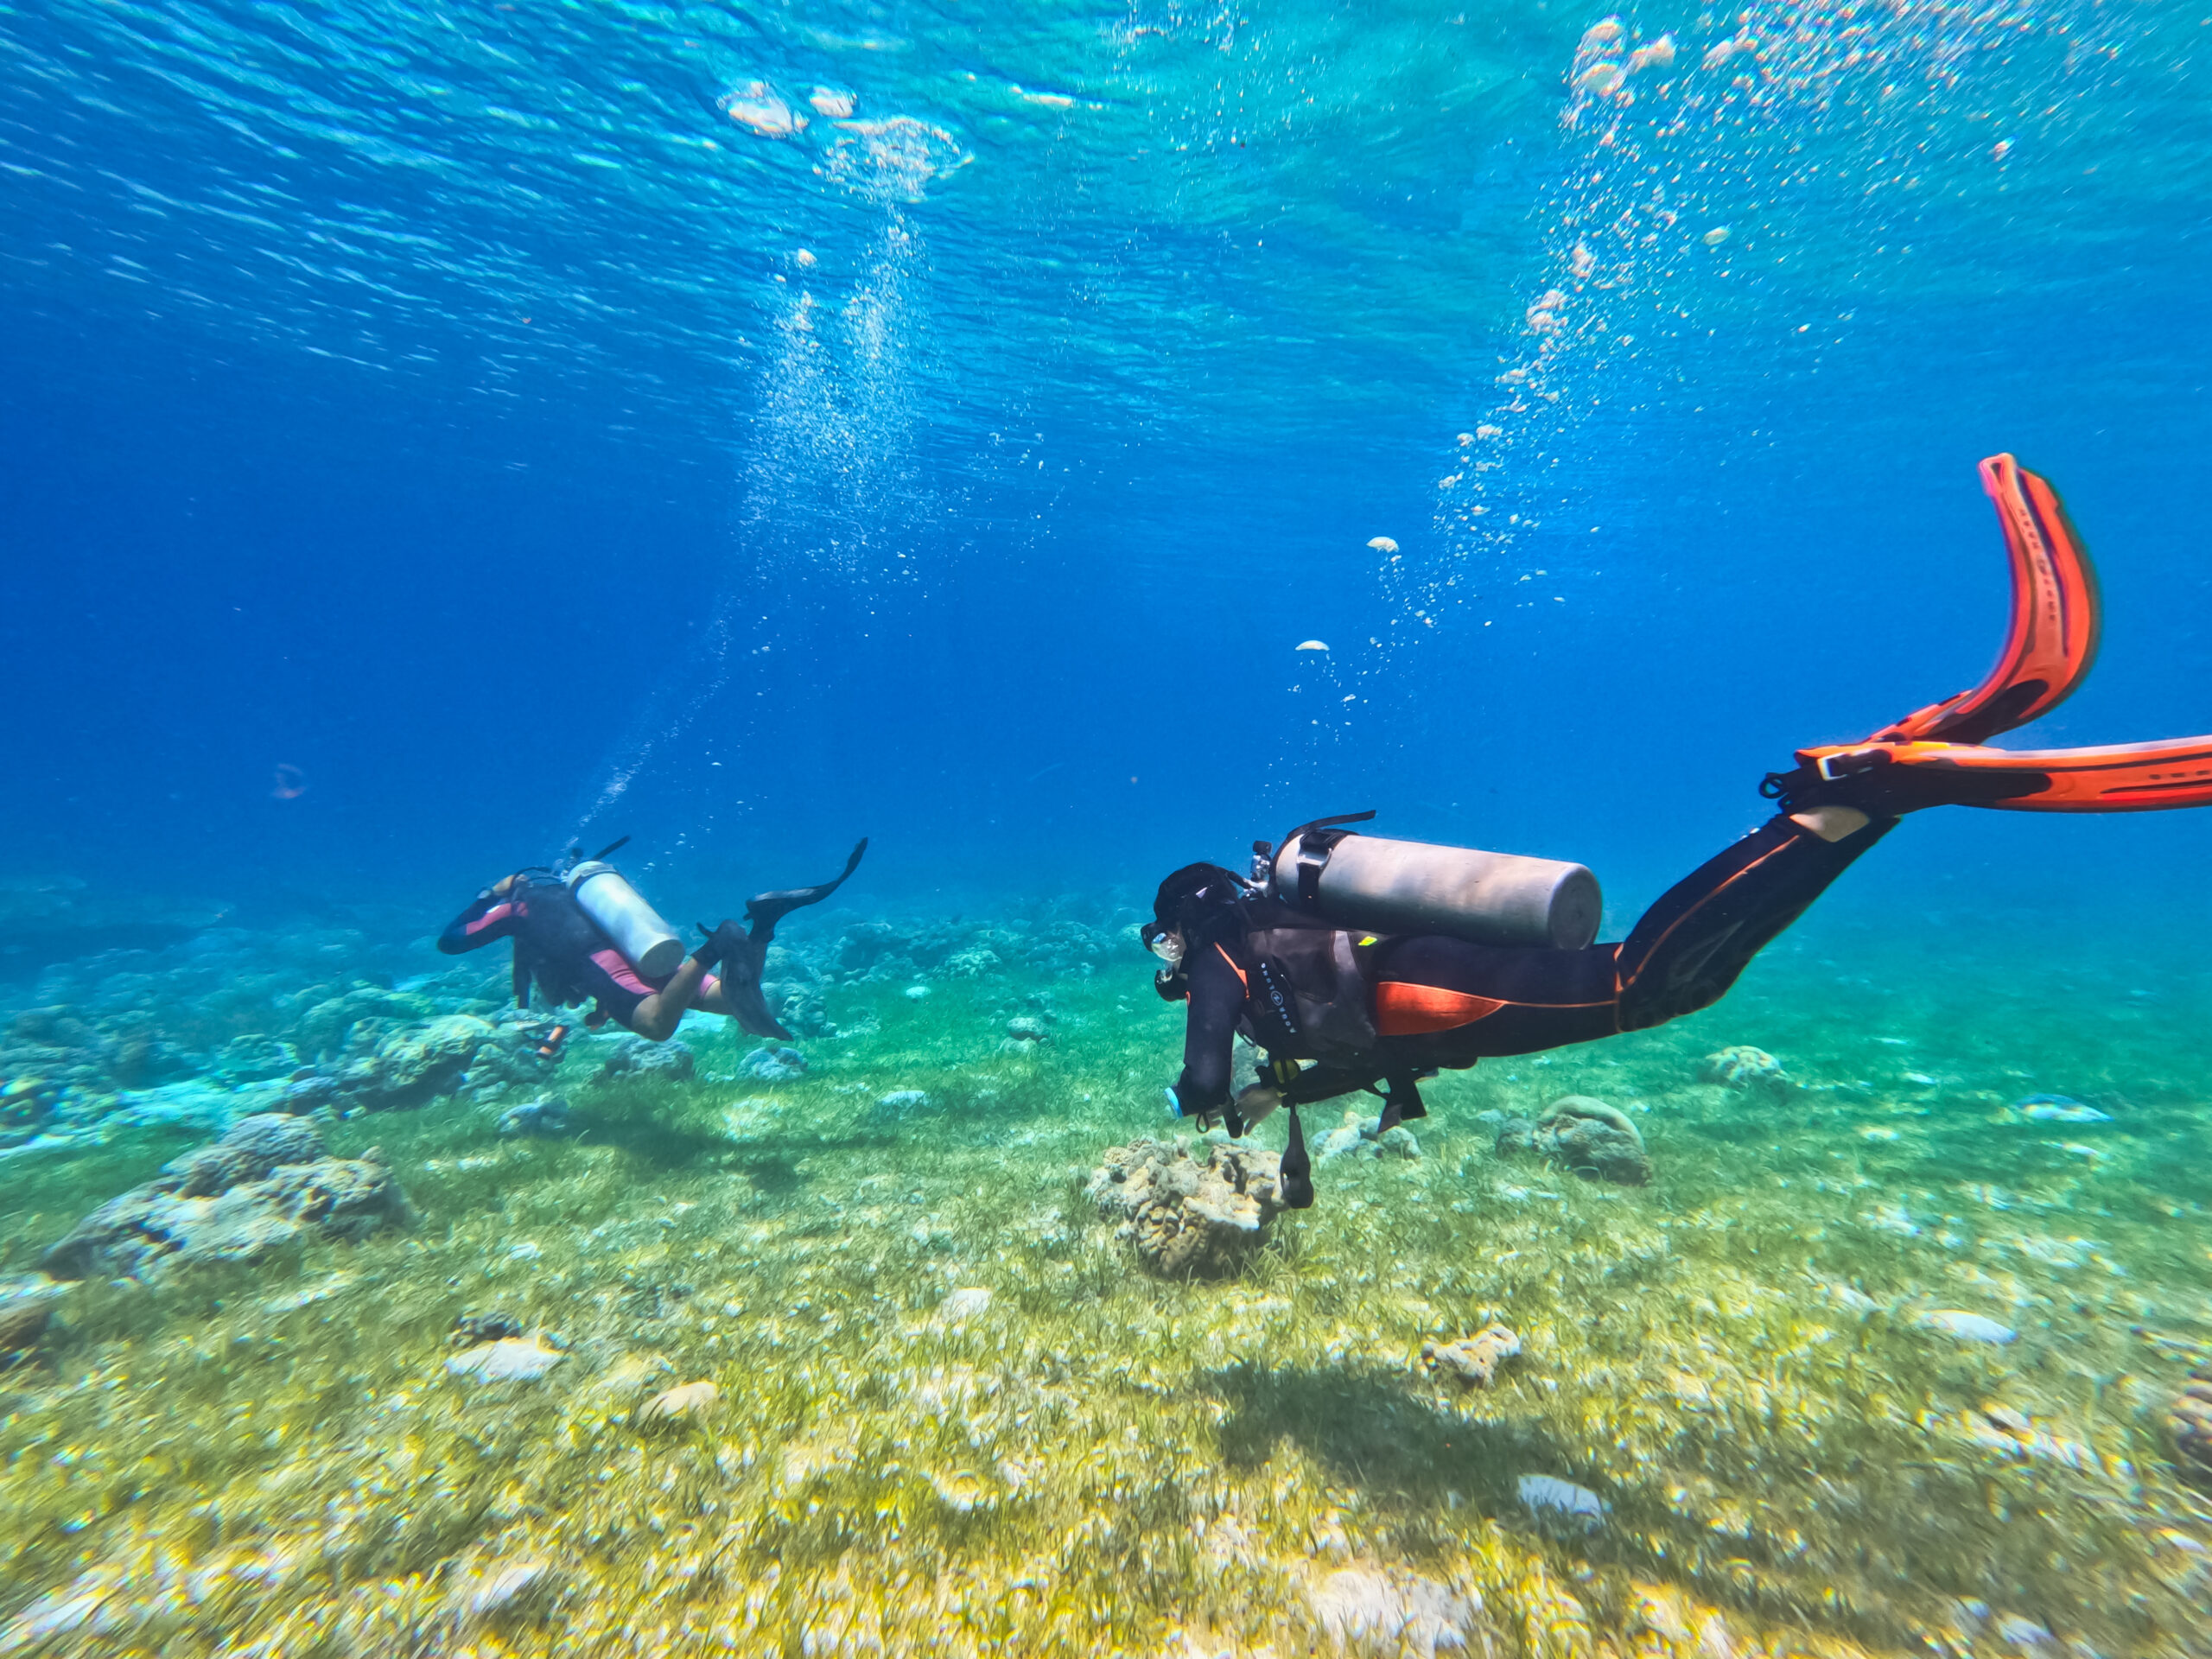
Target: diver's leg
(712, 999)
(1442, 1001)
(734, 993)
(1688, 947)
(623, 997)
(655, 1017)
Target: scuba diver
(1385, 966)
(584, 931)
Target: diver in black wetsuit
(571, 958)
(1413, 1003)
(1363, 1008)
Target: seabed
(954, 1416)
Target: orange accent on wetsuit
(1403, 1010)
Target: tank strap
(1312, 858)
(1316, 840)
(1314, 847)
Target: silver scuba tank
(646, 942)
(1413, 886)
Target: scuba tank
(646, 942)
(1413, 886)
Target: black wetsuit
(555, 944)
(1435, 1002)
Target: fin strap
(1904, 777)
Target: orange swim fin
(1935, 756)
(1887, 779)
(2053, 642)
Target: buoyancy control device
(1308, 989)
(647, 943)
(1353, 881)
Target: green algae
(277, 1460)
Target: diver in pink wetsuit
(570, 957)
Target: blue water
(439, 401)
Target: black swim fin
(741, 990)
(741, 955)
(765, 910)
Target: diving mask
(1164, 943)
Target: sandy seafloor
(275, 1458)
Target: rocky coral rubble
(1185, 1215)
(27, 1106)
(1375, 1609)
(883, 952)
(1363, 1137)
(2191, 1422)
(1741, 1067)
(64, 1066)
(1474, 1361)
(636, 1057)
(548, 1118)
(1595, 1141)
(266, 1183)
(26, 1304)
(229, 1020)
(774, 1064)
(202, 1023)
(417, 1063)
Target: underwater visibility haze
(1060, 444)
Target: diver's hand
(1255, 1104)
